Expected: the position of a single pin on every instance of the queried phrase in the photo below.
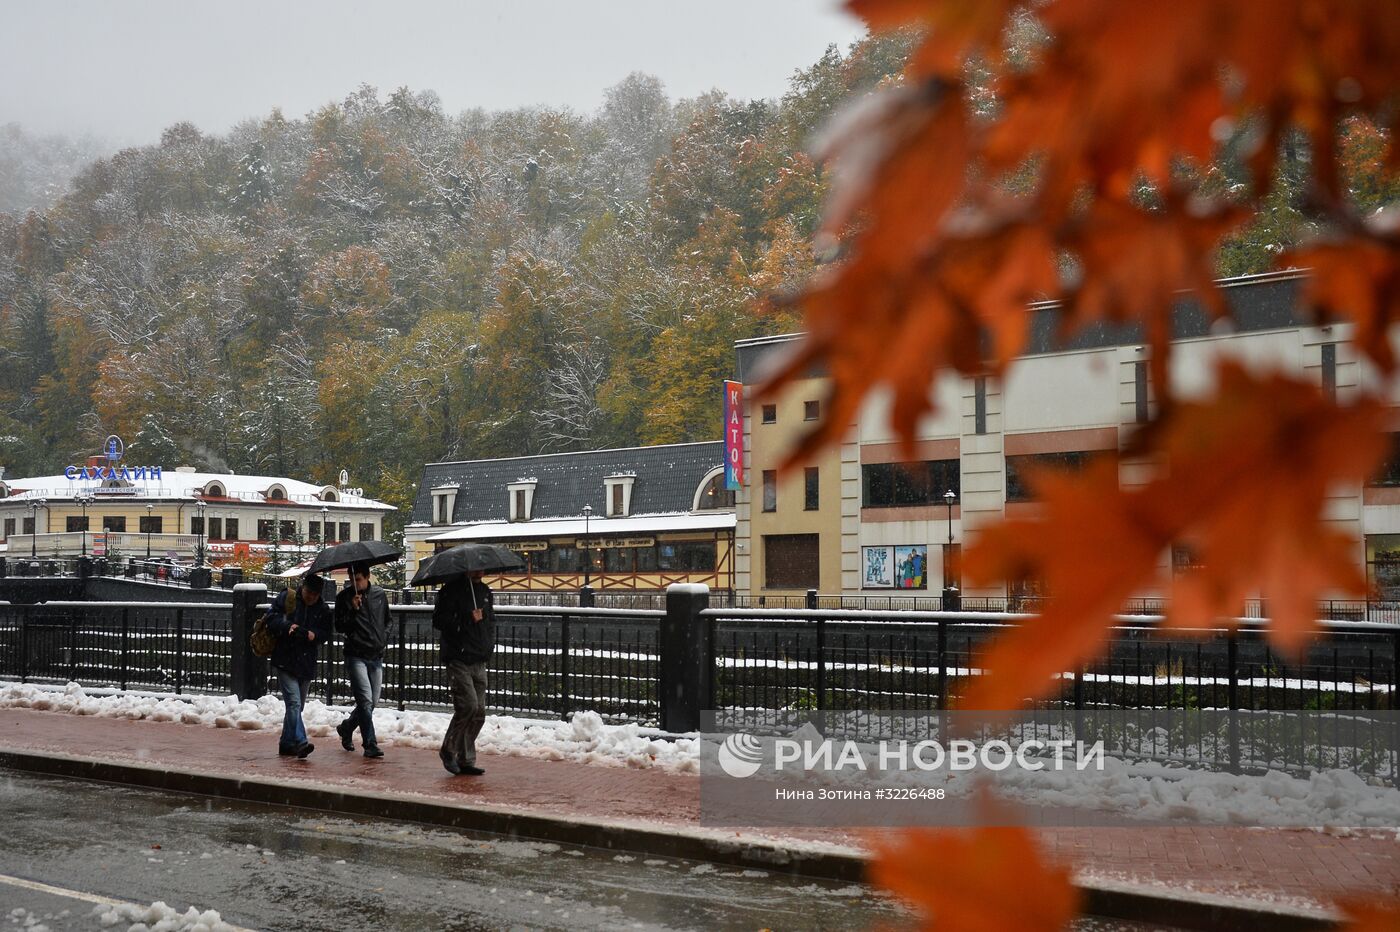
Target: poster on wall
(877, 564)
(911, 567)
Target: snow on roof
(594, 527)
(173, 484)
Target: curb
(1102, 898)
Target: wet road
(274, 868)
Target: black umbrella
(371, 552)
(466, 558)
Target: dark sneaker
(373, 752)
(285, 751)
(471, 770)
(304, 750)
(346, 731)
(450, 763)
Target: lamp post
(84, 499)
(34, 507)
(325, 511)
(199, 550)
(150, 509)
(951, 601)
(587, 545)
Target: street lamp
(325, 511)
(587, 545)
(199, 551)
(149, 509)
(34, 507)
(951, 602)
(84, 499)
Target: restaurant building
(638, 518)
(111, 507)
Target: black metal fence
(554, 660)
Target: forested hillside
(382, 284)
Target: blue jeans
(294, 694)
(366, 678)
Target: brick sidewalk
(1302, 866)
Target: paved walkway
(1303, 867)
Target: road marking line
(85, 897)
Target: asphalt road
(273, 868)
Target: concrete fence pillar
(247, 671)
(687, 658)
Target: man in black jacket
(464, 616)
(362, 618)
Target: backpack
(262, 640)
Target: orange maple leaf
(1370, 915)
(1245, 475)
(958, 879)
(1356, 279)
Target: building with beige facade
(855, 522)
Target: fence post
(179, 649)
(821, 652)
(247, 671)
(564, 685)
(585, 597)
(126, 628)
(407, 595)
(24, 645)
(1394, 693)
(684, 680)
(942, 664)
(403, 649)
(1232, 696)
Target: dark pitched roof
(666, 479)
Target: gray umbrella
(466, 558)
(371, 552)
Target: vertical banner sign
(733, 434)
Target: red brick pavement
(1303, 865)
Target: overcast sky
(125, 69)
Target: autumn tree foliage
(1091, 173)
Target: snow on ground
(160, 918)
(585, 738)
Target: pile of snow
(585, 738)
(160, 918)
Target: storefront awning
(637, 525)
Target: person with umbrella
(466, 620)
(301, 623)
(362, 618)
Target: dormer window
(522, 499)
(619, 494)
(444, 501)
(712, 494)
(276, 493)
(215, 490)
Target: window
(562, 559)
(9, 528)
(715, 495)
(615, 501)
(367, 531)
(289, 530)
(444, 500)
(1018, 488)
(216, 528)
(770, 414)
(518, 512)
(979, 405)
(231, 528)
(196, 525)
(618, 488)
(344, 531)
(810, 497)
(521, 499)
(1329, 370)
(77, 523)
(1389, 474)
(151, 524)
(313, 531)
(114, 523)
(619, 559)
(770, 490)
(893, 485)
(694, 556)
(791, 561)
(811, 410)
(264, 529)
(28, 524)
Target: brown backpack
(262, 640)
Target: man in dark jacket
(464, 616)
(299, 633)
(362, 618)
